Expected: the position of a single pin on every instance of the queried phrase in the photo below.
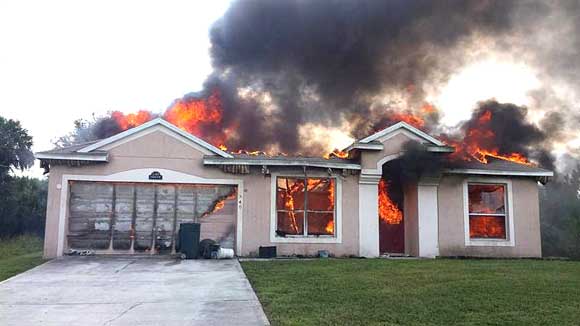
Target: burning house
(397, 191)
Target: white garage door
(141, 217)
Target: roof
(147, 125)
(265, 160)
(91, 151)
(403, 126)
(71, 153)
(497, 167)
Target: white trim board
(142, 176)
(500, 172)
(337, 213)
(155, 122)
(509, 200)
(74, 157)
(406, 127)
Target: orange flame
(131, 120)
(487, 227)
(409, 118)
(221, 203)
(388, 210)
(329, 227)
(478, 144)
(194, 114)
(336, 153)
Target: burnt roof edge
(544, 173)
(213, 160)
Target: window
(487, 211)
(305, 207)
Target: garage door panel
(145, 206)
(165, 217)
(90, 212)
(123, 224)
(141, 213)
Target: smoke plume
(324, 61)
(281, 66)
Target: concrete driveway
(130, 291)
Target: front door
(391, 218)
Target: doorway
(391, 212)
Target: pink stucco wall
(526, 221)
(159, 150)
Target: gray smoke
(323, 61)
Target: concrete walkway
(130, 291)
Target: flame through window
(305, 206)
(487, 211)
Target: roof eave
(365, 146)
(403, 125)
(501, 172)
(154, 122)
(104, 157)
(209, 160)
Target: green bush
(22, 206)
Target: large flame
(200, 116)
(131, 120)
(194, 114)
(480, 142)
(487, 227)
(388, 210)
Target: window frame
(336, 238)
(509, 214)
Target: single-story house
(129, 193)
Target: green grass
(19, 254)
(417, 292)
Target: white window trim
(298, 239)
(511, 238)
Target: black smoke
(512, 130)
(328, 60)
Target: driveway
(130, 291)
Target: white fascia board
(440, 149)
(260, 162)
(368, 146)
(406, 126)
(72, 157)
(499, 172)
(154, 122)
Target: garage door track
(130, 291)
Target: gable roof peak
(150, 124)
(401, 125)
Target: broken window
(487, 211)
(305, 206)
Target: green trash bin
(189, 234)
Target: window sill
(306, 240)
(489, 243)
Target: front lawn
(417, 292)
(19, 254)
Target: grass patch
(19, 254)
(418, 292)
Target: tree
(560, 215)
(15, 144)
(23, 206)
